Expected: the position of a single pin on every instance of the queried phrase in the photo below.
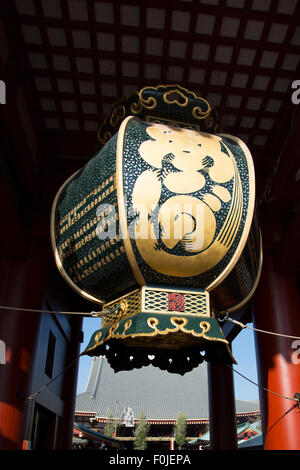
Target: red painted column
(277, 308)
(222, 412)
(23, 283)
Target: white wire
(35, 394)
(89, 314)
(242, 325)
(105, 312)
(260, 386)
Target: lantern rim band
(249, 216)
(121, 202)
(255, 284)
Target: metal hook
(223, 318)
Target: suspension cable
(242, 325)
(35, 394)
(295, 398)
(89, 314)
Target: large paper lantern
(160, 229)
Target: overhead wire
(35, 394)
(296, 399)
(102, 313)
(105, 312)
(21, 309)
(242, 325)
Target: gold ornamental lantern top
(168, 104)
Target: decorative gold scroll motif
(118, 114)
(175, 96)
(178, 336)
(125, 306)
(149, 103)
(136, 108)
(185, 218)
(180, 324)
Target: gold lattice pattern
(156, 300)
(123, 307)
(194, 303)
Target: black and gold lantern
(160, 229)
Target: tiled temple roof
(159, 394)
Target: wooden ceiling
(241, 55)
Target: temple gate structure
(65, 65)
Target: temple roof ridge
(159, 394)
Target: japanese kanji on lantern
(160, 229)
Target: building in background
(63, 64)
(159, 394)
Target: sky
(242, 347)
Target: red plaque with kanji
(176, 302)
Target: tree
(180, 430)
(141, 433)
(109, 427)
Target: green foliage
(180, 430)
(141, 433)
(109, 426)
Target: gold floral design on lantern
(181, 161)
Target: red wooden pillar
(277, 308)
(222, 412)
(23, 283)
